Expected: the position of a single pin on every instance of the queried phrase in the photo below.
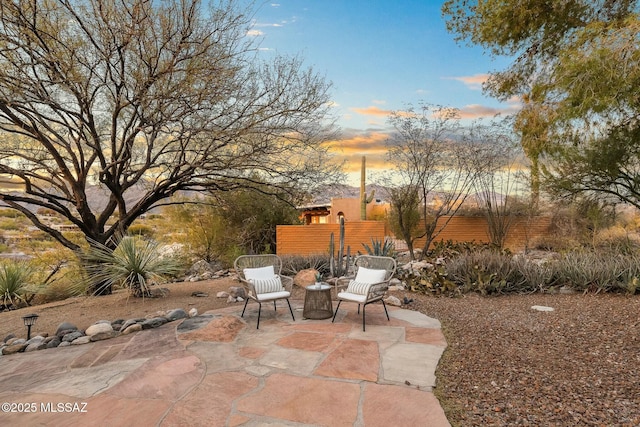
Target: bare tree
(430, 156)
(499, 179)
(142, 99)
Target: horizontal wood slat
(314, 238)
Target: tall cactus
(339, 266)
(364, 199)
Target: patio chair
(260, 275)
(371, 282)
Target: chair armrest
(251, 290)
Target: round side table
(317, 302)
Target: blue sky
(380, 56)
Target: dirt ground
(84, 311)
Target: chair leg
(358, 308)
(364, 309)
(246, 300)
(294, 319)
(259, 309)
(334, 314)
(385, 309)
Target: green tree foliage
(404, 218)
(576, 69)
(232, 223)
(109, 108)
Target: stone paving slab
(219, 370)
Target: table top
(323, 287)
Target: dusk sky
(380, 56)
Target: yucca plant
(135, 264)
(14, 283)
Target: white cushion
(359, 288)
(273, 295)
(368, 275)
(361, 299)
(264, 286)
(259, 273)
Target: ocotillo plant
(339, 267)
(364, 199)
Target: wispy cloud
(472, 82)
(355, 143)
(476, 111)
(255, 33)
(371, 111)
(275, 4)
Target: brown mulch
(505, 364)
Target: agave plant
(135, 263)
(380, 248)
(14, 282)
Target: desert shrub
(432, 280)
(140, 230)
(292, 264)
(486, 272)
(8, 225)
(10, 213)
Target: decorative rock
(102, 321)
(54, 342)
(102, 335)
(99, 328)
(154, 322)
(81, 340)
(64, 328)
(566, 290)
(130, 322)
(305, 277)
(391, 300)
(13, 348)
(231, 299)
(193, 312)
(64, 344)
(222, 294)
(38, 345)
(12, 341)
(237, 291)
(176, 314)
(541, 308)
(199, 294)
(8, 337)
(134, 327)
(72, 336)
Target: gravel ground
(507, 364)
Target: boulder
(391, 300)
(237, 292)
(71, 336)
(305, 277)
(134, 327)
(64, 328)
(99, 328)
(176, 314)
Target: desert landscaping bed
(506, 364)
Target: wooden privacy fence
(314, 238)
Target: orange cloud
(355, 144)
(372, 111)
(472, 82)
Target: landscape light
(29, 320)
